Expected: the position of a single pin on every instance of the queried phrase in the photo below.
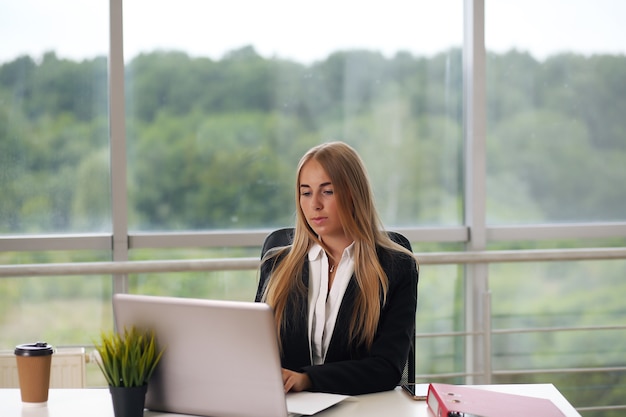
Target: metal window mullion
(250, 238)
(477, 348)
(117, 133)
(536, 232)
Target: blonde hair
(360, 221)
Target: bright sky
(307, 30)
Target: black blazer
(349, 369)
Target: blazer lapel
(339, 340)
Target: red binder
(446, 400)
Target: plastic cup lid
(34, 349)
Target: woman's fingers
(295, 381)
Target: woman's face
(317, 200)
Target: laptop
(220, 359)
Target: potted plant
(127, 360)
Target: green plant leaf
(129, 358)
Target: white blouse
(323, 304)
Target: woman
(344, 294)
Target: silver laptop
(221, 357)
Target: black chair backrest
(284, 237)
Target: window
(555, 106)
(223, 104)
(54, 156)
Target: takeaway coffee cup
(33, 371)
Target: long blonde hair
(360, 221)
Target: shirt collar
(316, 252)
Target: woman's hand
(295, 381)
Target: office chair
(284, 237)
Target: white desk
(97, 403)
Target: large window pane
(548, 318)
(65, 311)
(555, 108)
(222, 105)
(54, 157)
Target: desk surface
(96, 402)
